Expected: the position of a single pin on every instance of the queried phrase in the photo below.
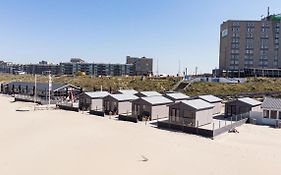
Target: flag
(50, 82)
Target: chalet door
(243, 110)
(233, 110)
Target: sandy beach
(60, 142)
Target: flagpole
(50, 87)
(35, 89)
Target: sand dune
(68, 143)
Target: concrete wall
(204, 117)
(161, 111)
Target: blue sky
(108, 30)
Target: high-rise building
(141, 66)
(250, 47)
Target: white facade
(204, 117)
(124, 107)
(97, 104)
(160, 111)
(217, 108)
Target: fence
(217, 127)
(68, 106)
(98, 112)
(127, 117)
(28, 98)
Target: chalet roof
(198, 104)
(271, 103)
(250, 101)
(150, 93)
(97, 94)
(177, 96)
(210, 98)
(128, 91)
(124, 97)
(157, 100)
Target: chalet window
(189, 114)
(266, 113)
(279, 114)
(273, 115)
(114, 104)
(144, 107)
(107, 105)
(173, 112)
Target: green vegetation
(107, 83)
(252, 85)
(158, 84)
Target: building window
(236, 35)
(234, 56)
(264, 43)
(249, 43)
(234, 46)
(249, 51)
(234, 51)
(234, 62)
(235, 40)
(250, 35)
(236, 24)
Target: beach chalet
(118, 103)
(42, 89)
(270, 113)
(128, 91)
(92, 100)
(217, 102)
(271, 108)
(241, 106)
(176, 96)
(148, 94)
(154, 107)
(193, 113)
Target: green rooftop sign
(276, 18)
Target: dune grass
(157, 84)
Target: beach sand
(68, 143)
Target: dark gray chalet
(241, 106)
(118, 103)
(193, 113)
(154, 107)
(92, 100)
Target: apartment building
(141, 66)
(250, 47)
